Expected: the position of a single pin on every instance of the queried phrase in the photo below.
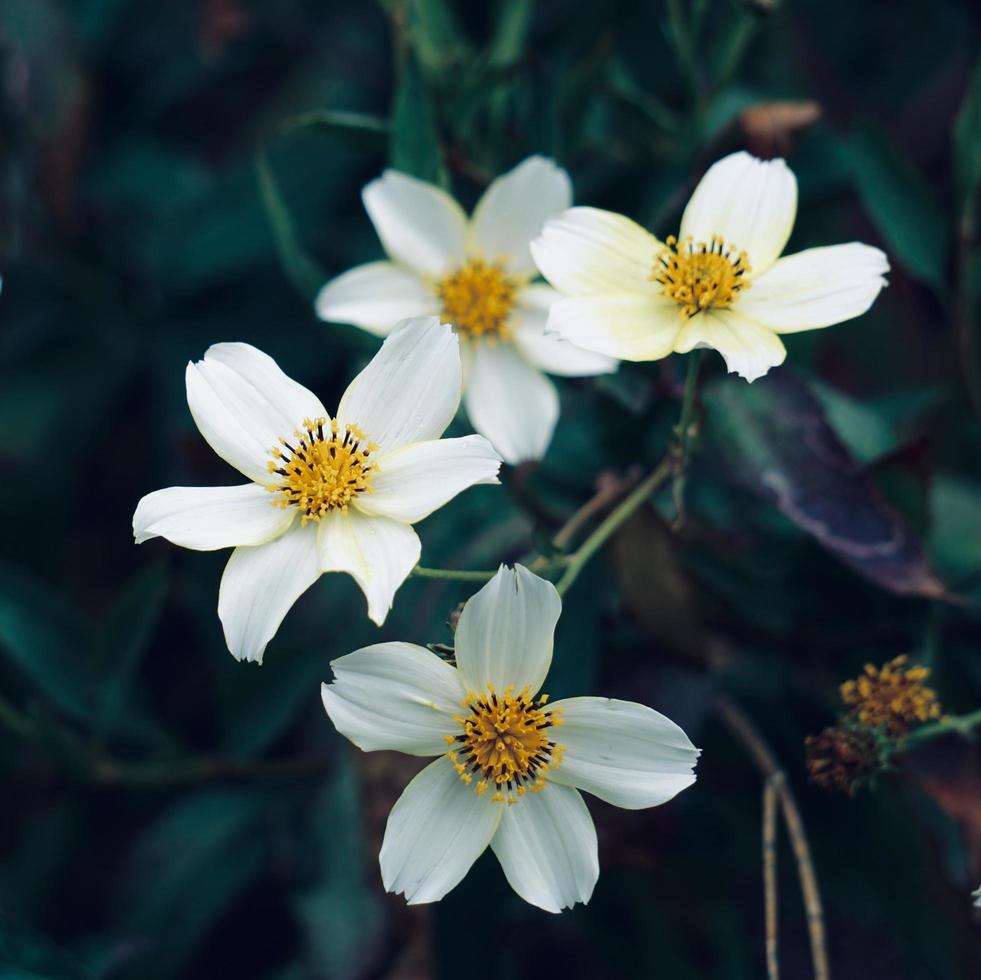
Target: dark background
(168, 812)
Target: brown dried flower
(841, 759)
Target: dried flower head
(841, 758)
(891, 697)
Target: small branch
(770, 878)
(607, 493)
(452, 574)
(959, 724)
(579, 558)
(762, 755)
(684, 435)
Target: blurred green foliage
(173, 175)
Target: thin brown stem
(770, 878)
(762, 755)
(609, 492)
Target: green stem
(596, 540)
(961, 724)
(683, 433)
(452, 574)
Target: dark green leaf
(301, 269)
(44, 638)
(415, 146)
(120, 642)
(355, 126)
(903, 207)
(434, 33)
(967, 137)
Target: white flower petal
(410, 390)
(624, 753)
(394, 696)
(378, 553)
(420, 226)
(435, 832)
(628, 327)
(550, 352)
(505, 633)
(513, 210)
(547, 846)
(750, 203)
(586, 250)
(749, 349)
(415, 480)
(510, 402)
(208, 518)
(259, 587)
(243, 403)
(816, 288)
(375, 297)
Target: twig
(603, 497)
(770, 877)
(961, 724)
(452, 574)
(684, 433)
(579, 558)
(761, 753)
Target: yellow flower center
(321, 469)
(892, 696)
(699, 276)
(477, 299)
(505, 743)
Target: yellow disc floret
(321, 469)
(477, 299)
(700, 277)
(505, 743)
(892, 696)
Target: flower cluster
(891, 697)
(881, 705)
(465, 315)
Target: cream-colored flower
(476, 273)
(720, 284)
(510, 763)
(326, 495)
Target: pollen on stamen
(700, 276)
(322, 468)
(504, 742)
(477, 299)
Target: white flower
(477, 275)
(327, 495)
(977, 897)
(510, 763)
(720, 284)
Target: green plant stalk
(961, 724)
(581, 556)
(682, 433)
(452, 574)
